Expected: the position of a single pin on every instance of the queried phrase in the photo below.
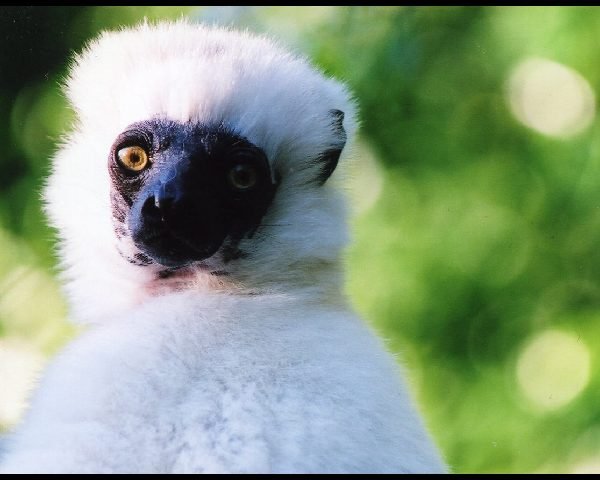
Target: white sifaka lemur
(201, 236)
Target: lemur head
(200, 159)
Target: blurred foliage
(477, 261)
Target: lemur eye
(133, 158)
(242, 176)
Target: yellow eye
(133, 158)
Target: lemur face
(184, 191)
(180, 190)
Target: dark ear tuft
(329, 158)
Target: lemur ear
(329, 158)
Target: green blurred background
(476, 209)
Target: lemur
(202, 221)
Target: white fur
(264, 370)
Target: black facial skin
(201, 186)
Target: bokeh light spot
(590, 466)
(553, 369)
(551, 98)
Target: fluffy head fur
(190, 73)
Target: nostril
(157, 207)
(149, 206)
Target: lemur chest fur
(218, 383)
